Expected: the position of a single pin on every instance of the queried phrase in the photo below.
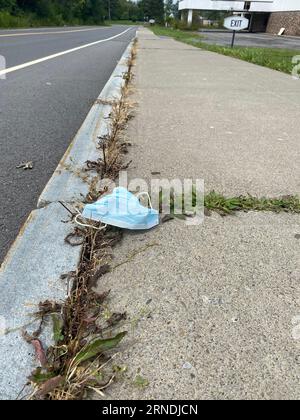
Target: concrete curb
(32, 268)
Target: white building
(266, 15)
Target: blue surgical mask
(122, 209)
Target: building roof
(239, 6)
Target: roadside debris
(25, 165)
(38, 347)
(187, 365)
(73, 365)
(75, 238)
(122, 209)
(104, 102)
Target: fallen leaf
(38, 348)
(39, 352)
(50, 386)
(26, 165)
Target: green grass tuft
(223, 205)
(228, 205)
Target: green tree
(93, 11)
(171, 10)
(73, 11)
(7, 5)
(153, 9)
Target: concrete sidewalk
(211, 306)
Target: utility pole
(109, 11)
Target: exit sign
(236, 23)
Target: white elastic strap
(147, 194)
(87, 225)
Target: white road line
(51, 32)
(50, 57)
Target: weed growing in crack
(228, 205)
(81, 333)
(223, 205)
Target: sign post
(233, 39)
(235, 23)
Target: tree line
(59, 12)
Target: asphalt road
(246, 39)
(43, 105)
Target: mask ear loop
(147, 194)
(87, 225)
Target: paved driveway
(246, 39)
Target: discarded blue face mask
(122, 209)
